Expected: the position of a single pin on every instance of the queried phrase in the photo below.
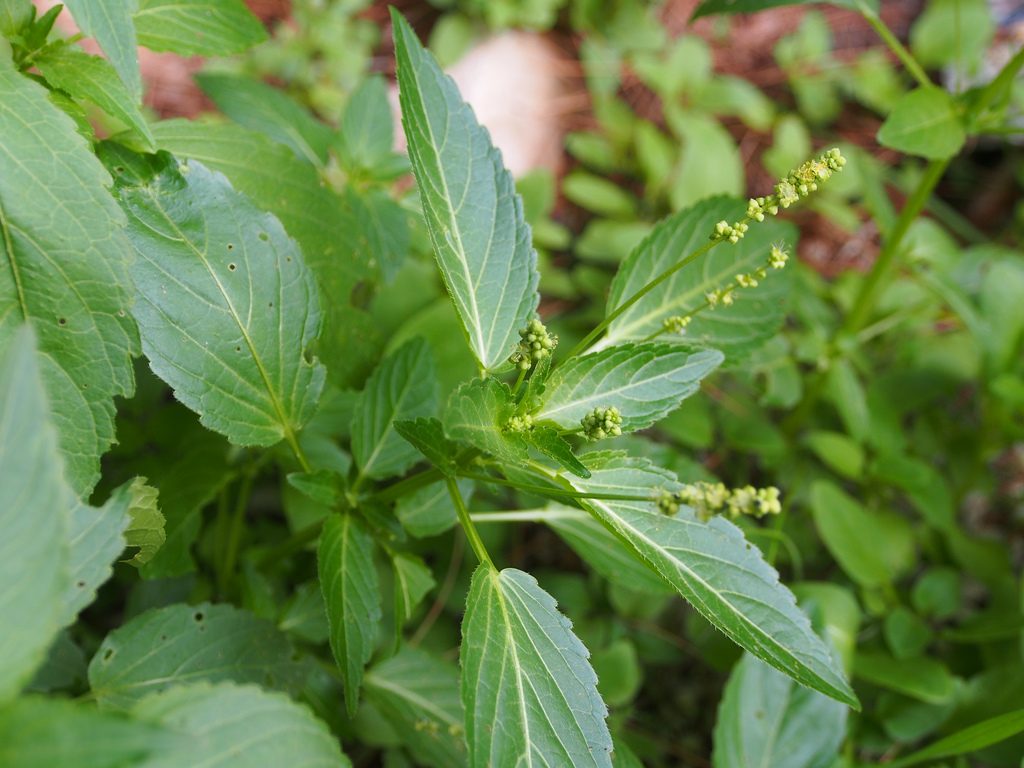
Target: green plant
(263, 269)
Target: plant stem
(467, 523)
(519, 380)
(294, 543)
(226, 567)
(544, 490)
(300, 455)
(908, 60)
(529, 516)
(619, 310)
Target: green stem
(467, 523)
(300, 455)
(293, 544)
(1001, 82)
(887, 257)
(529, 516)
(544, 490)
(913, 67)
(618, 311)
(520, 380)
(226, 567)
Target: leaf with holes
(473, 214)
(65, 271)
(529, 691)
(225, 304)
(195, 642)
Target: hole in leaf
(62, 321)
(80, 584)
(232, 266)
(108, 654)
(264, 236)
(271, 305)
(198, 616)
(238, 349)
(231, 246)
(288, 259)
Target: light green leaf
(473, 214)
(413, 580)
(953, 32)
(365, 137)
(765, 719)
(197, 27)
(528, 688)
(722, 575)
(200, 642)
(37, 732)
(969, 740)
(402, 387)
(872, 547)
(348, 579)
(110, 23)
(14, 14)
(225, 305)
(260, 107)
(418, 694)
(752, 320)
(710, 162)
(429, 511)
(477, 413)
(925, 123)
(644, 381)
(237, 726)
(93, 78)
(34, 504)
(65, 271)
(146, 526)
(427, 437)
(920, 678)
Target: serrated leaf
(195, 642)
(925, 123)
(402, 387)
(323, 486)
(722, 575)
(418, 694)
(225, 305)
(365, 137)
(645, 382)
(348, 579)
(92, 78)
(756, 314)
(37, 732)
(764, 719)
(429, 511)
(197, 27)
(473, 214)
(477, 413)
(110, 23)
(34, 504)
(529, 691)
(413, 580)
(260, 107)
(65, 271)
(146, 525)
(554, 446)
(427, 437)
(237, 726)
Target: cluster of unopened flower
(535, 343)
(709, 499)
(519, 423)
(601, 423)
(798, 184)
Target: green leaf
(34, 504)
(644, 381)
(925, 123)
(473, 214)
(529, 691)
(197, 27)
(365, 138)
(837, 451)
(477, 413)
(872, 548)
(92, 78)
(37, 732)
(766, 719)
(920, 678)
(418, 694)
(752, 320)
(348, 579)
(722, 575)
(225, 305)
(201, 642)
(146, 525)
(233, 726)
(65, 271)
(709, 7)
(260, 107)
(413, 580)
(14, 14)
(710, 162)
(598, 195)
(110, 23)
(323, 486)
(429, 511)
(969, 740)
(550, 443)
(402, 387)
(427, 437)
(953, 32)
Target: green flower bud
(601, 423)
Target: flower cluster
(535, 344)
(708, 499)
(601, 423)
(798, 184)
(519, 423)
(676, 323)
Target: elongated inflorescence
(709, 499)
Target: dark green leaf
(473, 213)
(550, 443)
(709, 7)
(478, 413)
(348, 579)
(969, 740)
(920, 678)
(429, 511)
(924, 123)
(68, 256)
(528, 688)
(427, 437)
(197, 27)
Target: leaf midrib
(13, 263)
